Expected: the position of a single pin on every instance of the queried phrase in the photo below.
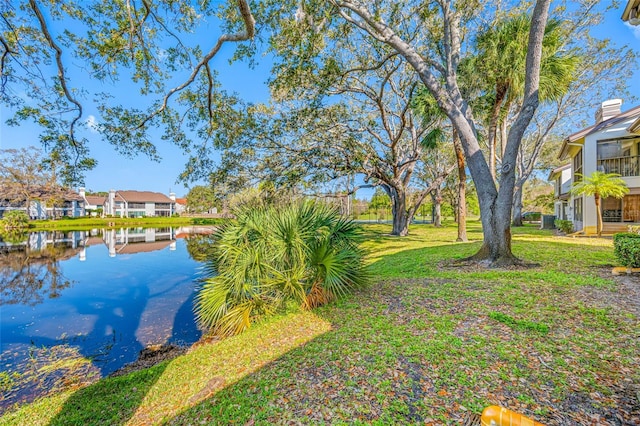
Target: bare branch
(248, 33)
(209, 91)
(150, 12)
(61, 73)
(7, 50)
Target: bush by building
(627, 249)
(565, 226)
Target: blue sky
(117, 172)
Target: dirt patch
(151, 356)
(625, 297)
(468, 265)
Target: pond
(76, 306)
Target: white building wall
(632, 181)
(590, 164)
(565, 181)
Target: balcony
(624, 166)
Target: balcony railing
(624, 166)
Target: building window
(619, 156)
(619, 210)
(136, 205)
(611, 209)
(611, 149)
(577, 167)
(631, 208)
(577, 209)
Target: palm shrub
(301, 254)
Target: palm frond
(268, 258)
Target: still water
(79, 305)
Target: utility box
(547, 221)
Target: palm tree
(270, 258)
(426, 107)
(600, 185)
(499, 69)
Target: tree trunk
(399, 212)
(501, 91)
(436, 196)
(503, 137)
(461, 210)
(495, 204)
(599, 215)
(517, 206)
(496, 247)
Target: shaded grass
(427, 343)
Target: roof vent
(608, 109)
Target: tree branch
(248, 33)
(7, 50)
(61, 73)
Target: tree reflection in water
(29, 275)
(200, 246)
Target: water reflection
(29, 269)
(102, 295)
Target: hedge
(565, 226)
(627, 249)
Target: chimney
(81, 191)
(111, 202)
(172, 196)
(608, 109)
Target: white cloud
(92, 124)
(635, 29)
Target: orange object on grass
(498, 416)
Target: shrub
(634, 229)
(15, 219)
(270, 258)
(565, 226)
(627, 249)
(207, 221)
(531, 216)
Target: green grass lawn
(85, 223)
(428, 342)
